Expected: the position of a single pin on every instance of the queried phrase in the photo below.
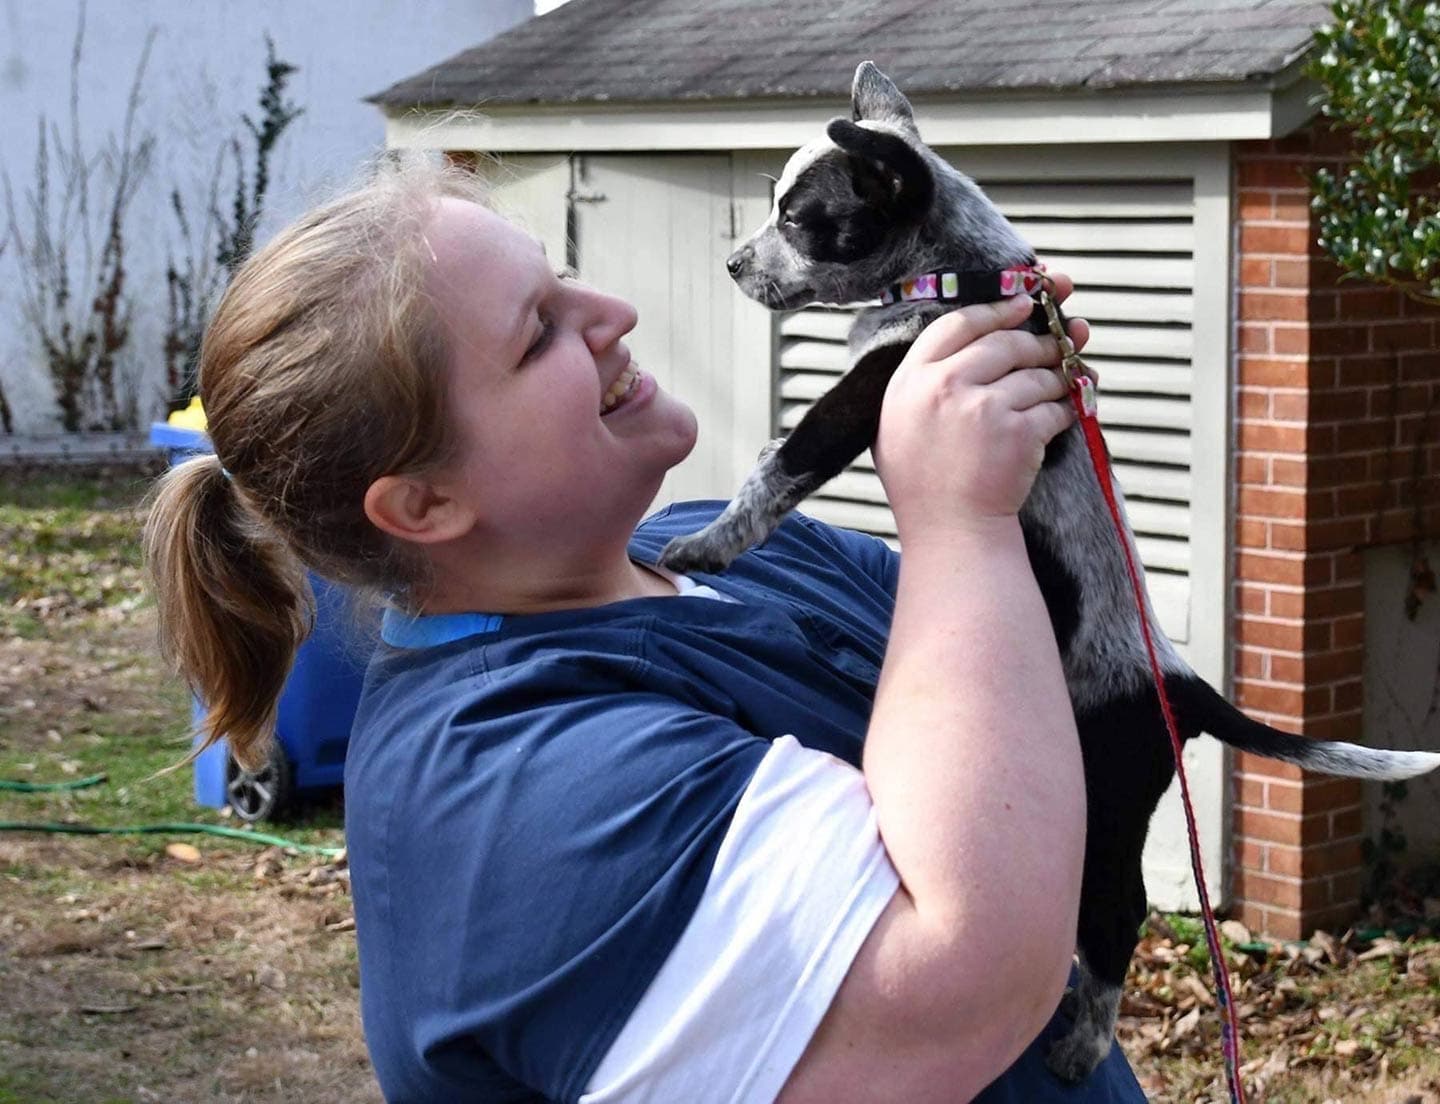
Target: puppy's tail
(1202, 708)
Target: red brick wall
(1334, 384)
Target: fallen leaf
(183, 852)
(1383, 948)
(1235, 931)
(1193, 985)
(1187, 1024)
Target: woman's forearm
(972, 757)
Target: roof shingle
(647, 51)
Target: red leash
(1082, 396)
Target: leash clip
(1072, 368)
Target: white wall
(206, 67)
(1402, 692)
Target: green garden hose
(168, 829)
(142, 829)
(51, 787)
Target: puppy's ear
(885, 170)
(873, 95)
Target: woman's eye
(542, 339)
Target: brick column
(1334, 381)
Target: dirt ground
(143, 968)
(194, 969)
(142, 978)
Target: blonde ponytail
(234, 603)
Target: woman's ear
(414, 510)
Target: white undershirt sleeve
(798, 882)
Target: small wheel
(264, 793)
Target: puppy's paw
(711, 550)
(1073, 1057)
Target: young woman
(807, 830)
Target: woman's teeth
(621, 389)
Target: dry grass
(1341, 1018)
(131, 976)
(128, 975)
(148, 979)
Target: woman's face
(547, 446)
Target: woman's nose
(613, 318)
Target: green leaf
(1378, 65)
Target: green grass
(66, 561)
(1191, 930)
(19, 1088)
(83, 691)
(135, 753)
(71, 580)
(63, 490)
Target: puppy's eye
(787, 218)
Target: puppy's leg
(1124, 777)
(1105, 952)
(839, 427)
(767, 495)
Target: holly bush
(1378, 63)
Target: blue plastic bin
(317, 706)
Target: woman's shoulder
(566, 694)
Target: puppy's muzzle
(740, 260)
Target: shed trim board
(644, 210)
(1195, 113)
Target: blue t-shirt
(534, 804)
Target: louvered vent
(1130, 247)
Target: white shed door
(1131, 245)
(655, 230)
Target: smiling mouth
(621, 390)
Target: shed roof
(648, 51)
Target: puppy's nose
(737, 261)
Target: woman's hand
(968, 414)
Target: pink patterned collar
(966, 287)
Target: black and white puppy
(857, 211)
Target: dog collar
(966, 287)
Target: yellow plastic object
(192, 417)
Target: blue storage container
(316, 708)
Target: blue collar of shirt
(400, 630)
